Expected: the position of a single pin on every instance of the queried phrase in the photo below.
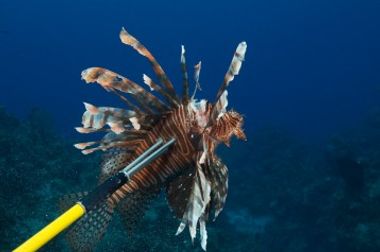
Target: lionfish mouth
(193, 176)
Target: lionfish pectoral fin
(189, 197)
(124, 128)
(132, 208)
(178, 191)
(218, 176)
(89, 230)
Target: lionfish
(193, 176)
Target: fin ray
(233, 70)
(112, 81)
(132, 207)
(89, 230)
(128, 39)
(218, 176)
(197, 71)
(234, 67)
(153, 86)
(185, 77)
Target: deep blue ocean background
(308, 178)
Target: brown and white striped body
(195, 179)
(178, 158)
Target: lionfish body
(194, 177)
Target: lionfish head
(213, 119)
(228, 125)
(217, 126)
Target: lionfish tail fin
(233, 70)
(128, 39)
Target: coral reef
(36, 168)
(284, 195)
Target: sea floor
(284, 195)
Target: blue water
(311, 68)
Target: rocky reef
(284, 195)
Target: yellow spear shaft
(52, 229)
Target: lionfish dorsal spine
(233, 70)
(112, 81)
(128, 102)
(154, 86)
(234, 67)
(185, 77)
(197, 72)
(128, 39)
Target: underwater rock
(347, 165)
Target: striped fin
(153, 86)
(127, 140)
(197, 71)
(113, 161)
(221, 98)
(113, 81)
(107, 146)
(85, 234)
(128, 102)
(88, 130)
(234, 68)
(87, 231)
(84, 145)
(217, 173)
(196, 211)
(185, 77)
(69, 200)
(126, 128)
(220, 107)
(95, 118)
(128, 39)
(132, 207)
(178, 191)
